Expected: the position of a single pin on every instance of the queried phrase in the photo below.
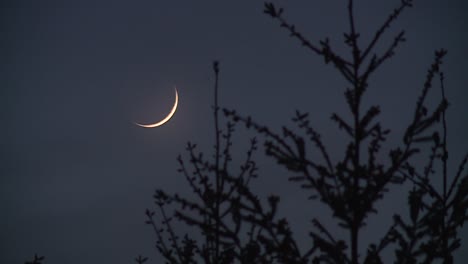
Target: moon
(163, 121)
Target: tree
(235, 225)
(36, 260)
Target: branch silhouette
(351, 187)
(229, 223)
(36, 260)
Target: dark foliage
(140, 260)
(36, 260)
(234, 225)
(237, 226)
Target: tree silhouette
(230, 223)
(36, 260)
(236, 226)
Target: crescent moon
(173, 110)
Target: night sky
(77, 174)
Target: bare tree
(230, 223)
(237, 227)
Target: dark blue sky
(76, 174)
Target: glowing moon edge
(173, 110)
